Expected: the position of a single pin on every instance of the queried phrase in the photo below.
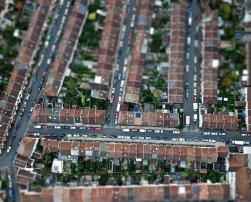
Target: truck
(195, 117)
(195, 106)
(187, 120)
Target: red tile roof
(132, 150)
(157, 119)
(210, 53)
(132, 193)
(219, 121)
(108, 46)
(175, 75)
(27, 146)
(68, 116)
(243, 184)
(237, 161)
(25, 177)
(33, 35)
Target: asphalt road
(6, 159)
(166, 135)
(121, 60)
(190, 53)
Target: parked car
(8, 150)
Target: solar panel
(138, 114)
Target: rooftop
(68, 116)
(158, 119)
(132, 150)
(145, 193)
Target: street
(165, 135)
(192, 68)
(123, 55)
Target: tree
(157, 42)
(225, 10)
(71, 87)
(47, 160)
(3, 184)
(227, 81)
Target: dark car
(187, 90)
